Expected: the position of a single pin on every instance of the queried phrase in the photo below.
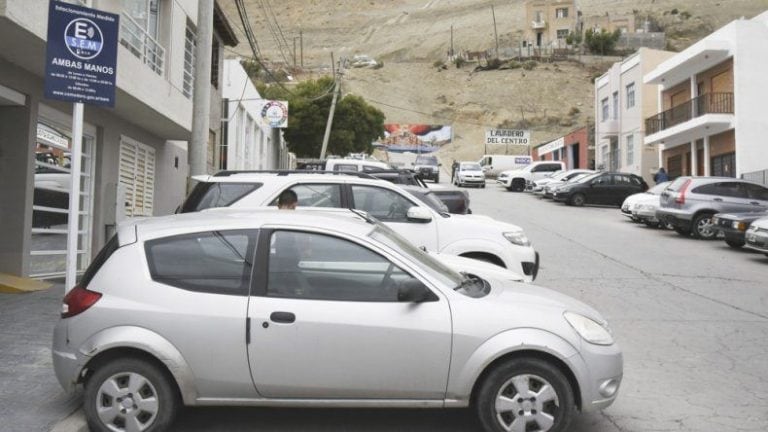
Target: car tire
(518, 185)
(483, 186)
(701, 228)
(437, 179)
(653, 224)
(154, 400)
(735, 244)
(577, 200)
(548, 401)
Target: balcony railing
(708, 103)
(141, 44)
(538, 24)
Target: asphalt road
(691, 317)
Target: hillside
(409, 36)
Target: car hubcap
(127, 402)
(526, 403)
(705, 228)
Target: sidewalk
(31, 399)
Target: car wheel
(129, 394)
(518, 185)
(437, 179)
(702, 227)
(525, 394)
(653, 224)
(483, 186)
(735, 244)
(578, 200)
(685, 232)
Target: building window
(604, 106)
(630, 95)
(724, 165)
(561, 12)
(562, 34)
(139, 32)
(189, 60)
(630, 149)
(215, 63)
(615, 105)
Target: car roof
(334, 219)
(272, 176)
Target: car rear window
(112, 245)
(677, 184)
(216, 194)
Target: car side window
(217, 262)
(553, 167)
(756, 192)
(316, 195)
(622, 180)
(383, 204)
(602, 180)
(304, 265)
(730, 189)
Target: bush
(674, 11)
(601, 42)
(573, 111)
(459, 62)
(529, 65)
(494, 63)
(438, 64)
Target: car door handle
(282, 317)
(754, 203)
(718, 199)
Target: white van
(355, 165)
(493, 165)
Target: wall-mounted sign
(81, 54)
(275, 114)
(508, 137)
(551, 146)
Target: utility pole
(333, 109)
(495, 34)
(451, 55)
(294, 54)
(201, 100)
(301, 45)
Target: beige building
(548, 22)
(622, 103)
(625, 23)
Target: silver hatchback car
(320, 308)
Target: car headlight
(589, 329)
(741, 226)
(517, 237)
(752, 228)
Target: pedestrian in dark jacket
(454, 167)
(661, 176)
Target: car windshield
(446, 275)
(659, 188)
(428, 198)
(426, 160)
(471, 167)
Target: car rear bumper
(66, 364)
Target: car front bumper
(472, 181)
(600, 378)
(757, 240)
(673, 218)
(645, 215)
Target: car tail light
(77, 301)
(683, 189)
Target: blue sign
(81, 56)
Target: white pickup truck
(517, 180)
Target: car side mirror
(419, 214)
(413, 290)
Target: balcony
(709, 103)
(141, 44)
(705, 114)
(539, 24)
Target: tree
(355, 124)
(601, 42)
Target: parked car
(644, 211)
(349, 164)
(457, 200)
(516, 180)
(606, 188)
(689, 203)
(354, 317)
(428, 167)
(550, 188)
(627, 207)
(469, 174)
(472, 236)
(733, 226)
(558, 177)
(756, 237)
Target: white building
(130, 166)
(622, 103)
(248, 144)
(711, 116)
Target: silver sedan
(320, 309)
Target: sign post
(80, 67)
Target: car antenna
(364, 215)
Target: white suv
(517, 180)
(413, 216)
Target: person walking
(454, 167)
(287, 200)
(661, 176)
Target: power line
(273, 31)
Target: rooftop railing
(708, 103)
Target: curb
(19, 285)
(75, 422)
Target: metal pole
(301, 47)
(201, 101)
(495, 34)
(73, 225)
(294, 54)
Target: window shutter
(137, 174)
